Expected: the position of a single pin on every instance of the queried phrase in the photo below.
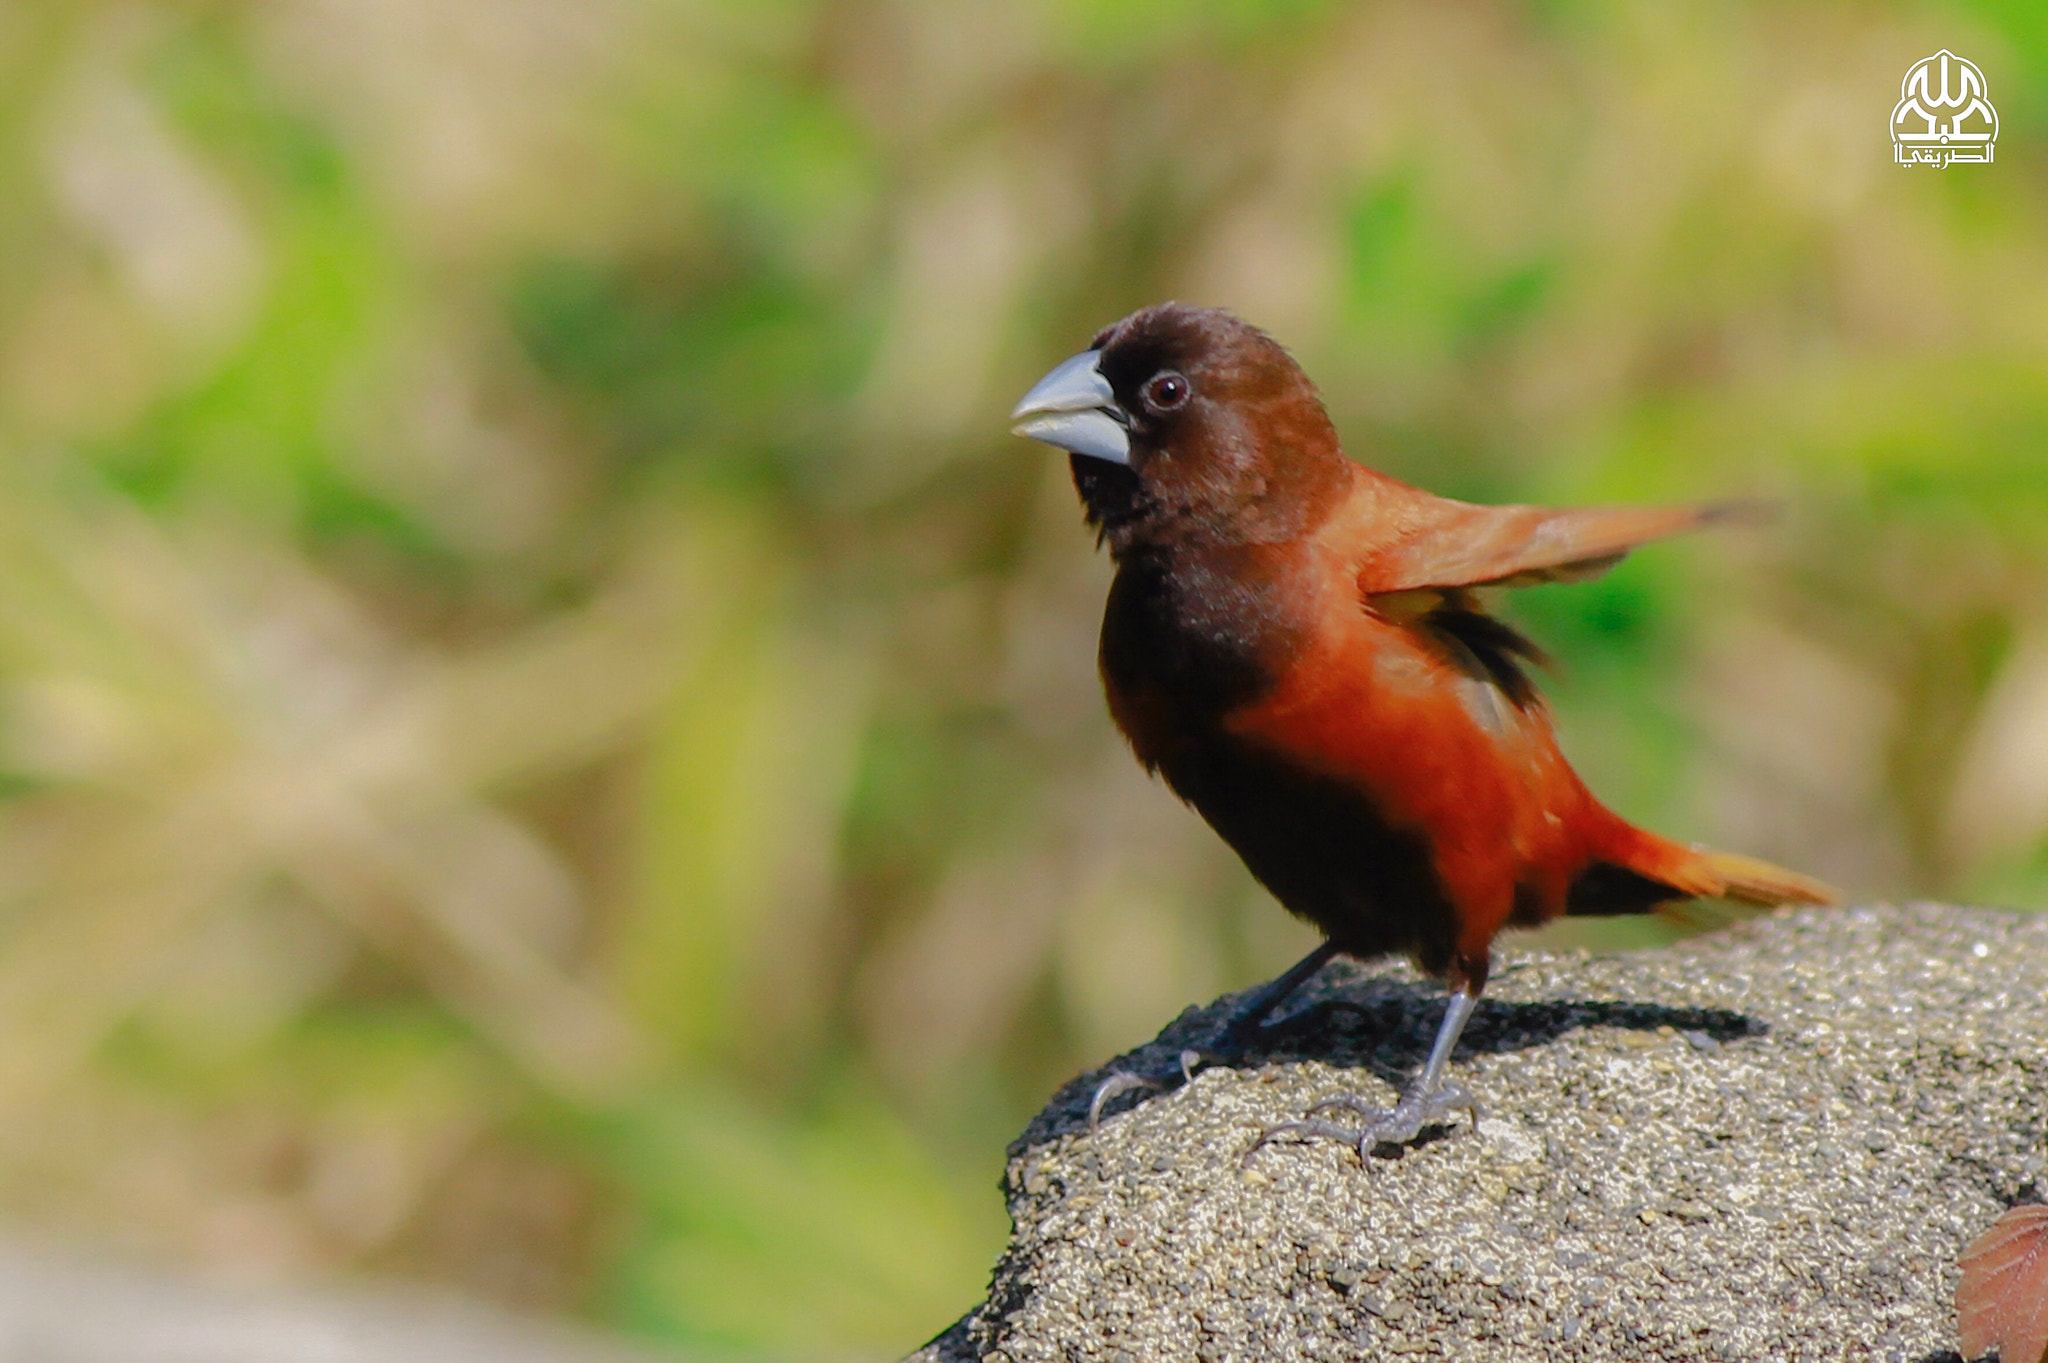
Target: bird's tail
(1749, 880)
(1642, 871)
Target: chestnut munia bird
(1295, 643)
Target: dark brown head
(1187, 422)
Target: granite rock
(1768, 1143)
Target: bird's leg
(1245, 1023)
(1248, 1019)
(1425, 1102)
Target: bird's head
(1184, 420)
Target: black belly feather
(1321, 848)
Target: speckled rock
(1769, 1143)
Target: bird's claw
(1418, 1108)
(1121, 1082)
(1118, 1082)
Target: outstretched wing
(1422, 541)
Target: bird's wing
(1404, 539)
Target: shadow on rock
(1377, 1023)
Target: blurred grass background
(548, 738)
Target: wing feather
(1421, 541)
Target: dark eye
(1166, 391)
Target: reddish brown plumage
(1293, 641)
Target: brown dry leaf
(2003, 1298)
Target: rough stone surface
(1770, 1143)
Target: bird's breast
(1190, 637)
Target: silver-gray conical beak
(1074, 408)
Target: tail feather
(1752, 881)
(1645, 872)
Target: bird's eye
(1164, 392)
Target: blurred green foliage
(548, 739)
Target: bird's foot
(1119, 1082)
(1246, 1024)
(1239, 1034)
(1420, 1107)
